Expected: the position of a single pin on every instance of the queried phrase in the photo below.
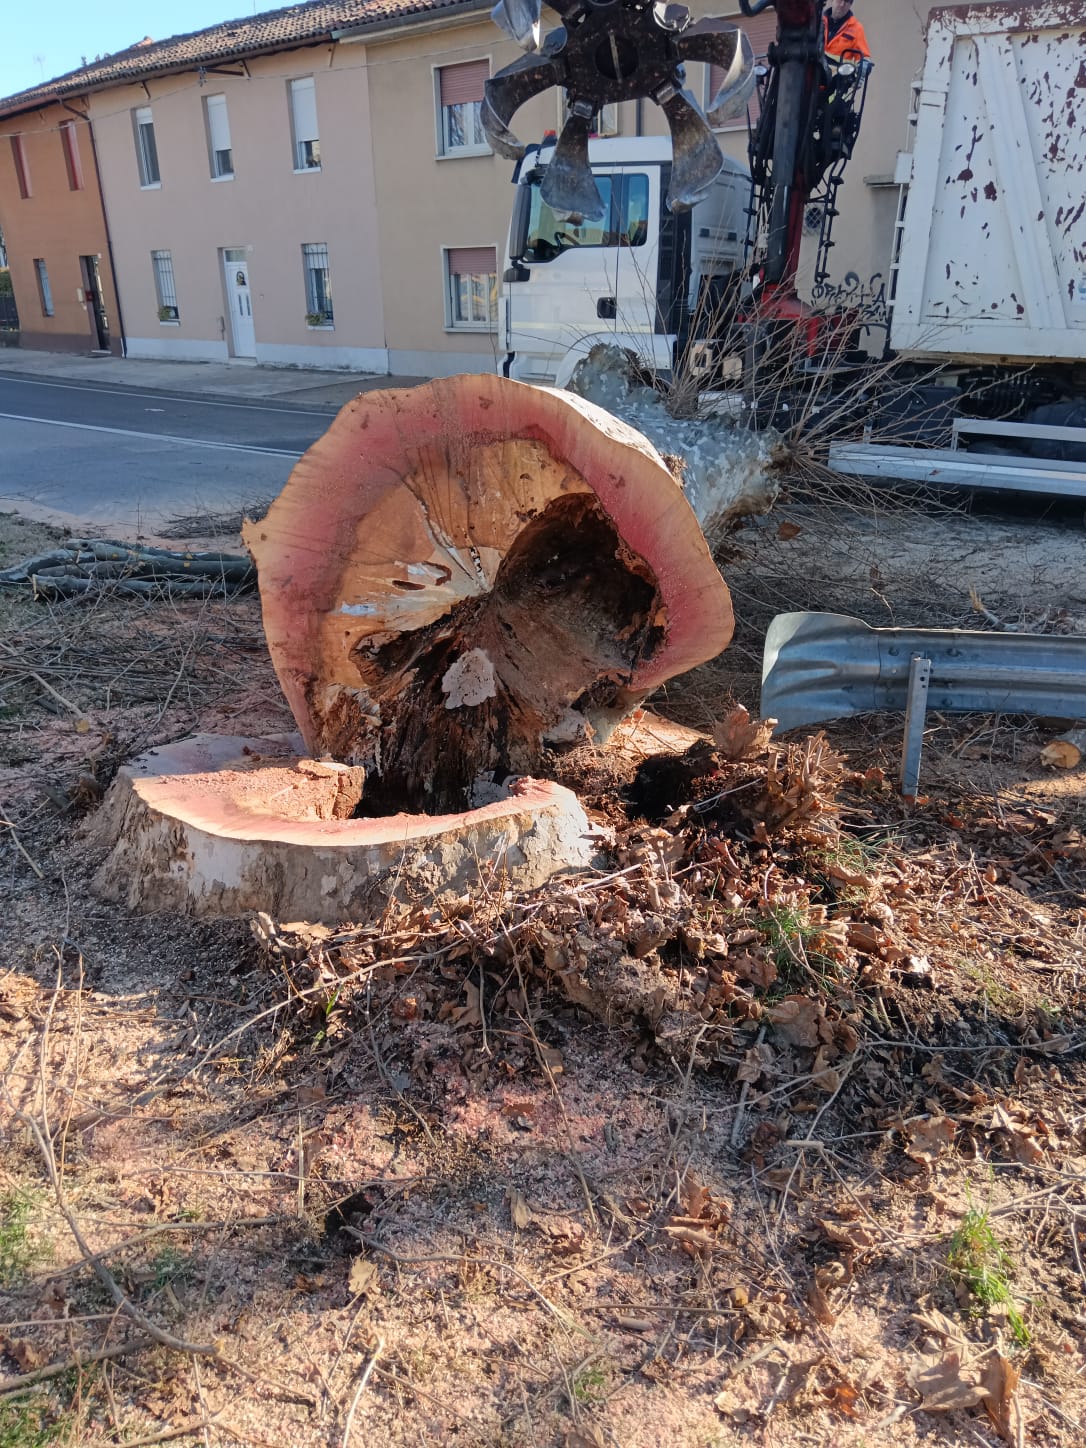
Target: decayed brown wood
(459, 575)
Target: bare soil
(773, 1135)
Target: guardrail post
(916, 709)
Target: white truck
(988, 271)
(636, 279)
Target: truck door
(594, 280)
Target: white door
(239, 300)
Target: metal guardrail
(819, 666)
(951, 467)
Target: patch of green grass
(590, 1384)
(170, 1265)
(788, 929)
(30, 1423)
(18, 1250)
(997, 996)
(979, 1260)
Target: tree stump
(460, 576)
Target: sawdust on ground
(683, 1156)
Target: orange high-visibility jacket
(849, 40)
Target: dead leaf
(787, 531)
(929, 1138)
(847, 1234)
(946, 1383)
(25, 1353)
(819, 1304)
(798, 1019)
(1000, 1382)
(586, 1436)
(363, 1280)
(311, 1095)
(519, 1210)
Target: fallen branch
(77, 1360)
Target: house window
(603, 123)
(165, 290)
(460, 103)
(303, 117)
(761, 31)
(22, 168)
(471, 287)
(218, 138)
(146, 151)
(318, 284)
(45, 296)
(72, 163)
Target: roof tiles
(253, 34)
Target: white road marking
(133, 390)
(273, 452)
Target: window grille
(162, 262)
(318, 284)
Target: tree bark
(460, 576)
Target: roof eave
(417, 21)
(209, 63)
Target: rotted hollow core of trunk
(475, 692)
(461, 576)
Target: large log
(460, 575)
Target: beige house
(445, 206)
(311, 187)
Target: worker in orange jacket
(844, 35)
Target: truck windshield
(624, 222)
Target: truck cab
(639, 278)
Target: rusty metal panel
(993, 251)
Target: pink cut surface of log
(460, 575)
(218, 825)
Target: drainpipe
(83, 116)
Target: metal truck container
(990, 262)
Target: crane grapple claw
(609, 51)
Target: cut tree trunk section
(214, 825)
(459, 576)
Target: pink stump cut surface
(215, 825)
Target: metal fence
(9, 316)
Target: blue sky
(40, 42)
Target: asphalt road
(131, 459)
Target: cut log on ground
(461, 575)
(215, 825)
(1066, 752)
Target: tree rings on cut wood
(460, 575)
(214, 825)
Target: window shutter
(72, 162)
(472, 261)
(461, 84)
(761, 31)
(303, 99)
(218, 123)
